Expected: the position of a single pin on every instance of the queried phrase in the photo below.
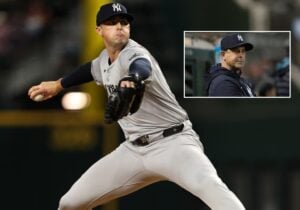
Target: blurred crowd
(270, 77)
(35, 44)
(25, 23)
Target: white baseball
(38, 97)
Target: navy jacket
(222, 82)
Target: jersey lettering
(110, 88)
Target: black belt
(144, 140)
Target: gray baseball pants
(178, 158)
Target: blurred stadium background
(45, 148)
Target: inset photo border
(237, 64)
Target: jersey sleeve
(96, 71)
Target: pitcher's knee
(69, 203)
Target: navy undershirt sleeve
(80, 75)
(140, 67)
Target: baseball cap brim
(128, 16)
(247, 46)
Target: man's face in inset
(234, 58)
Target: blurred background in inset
(46, 146)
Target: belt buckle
(141, 141)
(144, 139)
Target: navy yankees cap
(112, 9)
(233, 41)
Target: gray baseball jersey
(159, 108)
(178, 157)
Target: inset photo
(237, 64)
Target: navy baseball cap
(233, 41)
(107, 11)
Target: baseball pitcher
(160, 142)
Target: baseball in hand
(38, 97)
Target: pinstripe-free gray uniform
(178, 158)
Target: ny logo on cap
(116, 7)
(240, 38)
